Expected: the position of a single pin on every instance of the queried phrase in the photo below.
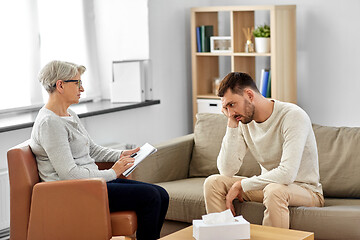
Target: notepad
(145, 151)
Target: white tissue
(218, 218)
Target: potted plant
(262, 38)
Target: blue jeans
(149, 201)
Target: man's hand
(232, 123)
(234, 192)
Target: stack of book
(265, 83)
(203, 34)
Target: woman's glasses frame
(79, 82)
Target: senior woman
(64, 150)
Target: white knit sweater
(64, 150)
(284, 146)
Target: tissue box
(240, 229)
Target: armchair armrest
(70, 209)
(169, 163)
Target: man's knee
(215, 184)
(274, 191)
(211, 182)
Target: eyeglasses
(78, 82)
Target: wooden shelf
(234, 54)
(208, 96)
(205, 65)
(252, 54)
(213, 54)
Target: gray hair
(58, 70)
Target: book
(268, 91)
(206, 33)
(265, 81)
(198, 39)
(145, 151)
(261, 80)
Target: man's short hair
(237, 82)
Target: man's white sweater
(284, 146)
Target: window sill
(26, 118)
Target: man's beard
(249, 111)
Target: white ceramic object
(262, 45)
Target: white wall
(328, 60)
(327, 57)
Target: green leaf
(262, 31)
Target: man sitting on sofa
(280, 137)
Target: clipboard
(145, 151)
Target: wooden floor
(168, 228)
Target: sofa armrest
(70, 209)
(169, 163)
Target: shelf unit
(205, 66)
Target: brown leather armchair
(71, 209)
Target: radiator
(4, 201)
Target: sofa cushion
(339, 160)
(208, 134)
(330, 222)
(186, 199)
(209, 131)
(340, 215)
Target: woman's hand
(129, 152)
(124, 163)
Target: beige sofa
(181, 166)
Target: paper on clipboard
(145, 151)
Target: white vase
(262, 45)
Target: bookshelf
(205, 65)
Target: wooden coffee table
(257, 232)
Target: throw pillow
(209, 131)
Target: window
(19, 53)
(62, 33)
(93, 33)
(121, 33)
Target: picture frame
(220, 44)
